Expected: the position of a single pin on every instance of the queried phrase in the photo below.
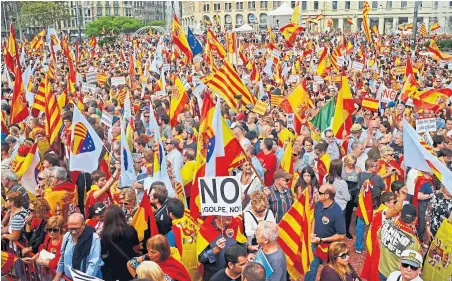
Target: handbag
(104, 256)
(247, 198)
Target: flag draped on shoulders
(365, 203)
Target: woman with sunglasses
(296, 158)
(51, 245)
(35, 225)
(308, 180)
(338, 267)
(43, 186)
(128, 202)
(388, 168)
(248, 183)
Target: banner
(115, 81)
(91, 77)
(88, 88)
(357, 66)
(425, 125)
(260, 107)
(106, 118)
(220, 196)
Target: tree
(158, 23)
(42, 14)
(117, 24)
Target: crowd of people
(88, 222)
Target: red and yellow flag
(342, 121)
(214, 44)
(322, 62)
(54, 121)
(422, 29)
(23, 159)
(232, 45)
(435, 26)
(180, 39)
(19, 107)
(433, 99)
(366, 28)
(349, 20)
(365, 203)
(323, 166)
(433, 47)
(290, 32)
(8, 260)
(179, 98)
(295, 236)
(11, 52)
(370, 104)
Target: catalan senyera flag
(322, 62)
(336, 53)
(227, 83)
(290, 32)
(342, 121)
(276, 100)
(23, 159)
(52, 113)
(214, 44)
(255, 74)
(349, 20)
(370, 104)
(366, 28)
(40, 99)
(180, 39)
(422, 29)
(72, 73)
(19, 107)
(433, 48)
(232, 159)
(434, 26)
(375, 30)
(179, 98)
(365, 203)
(295, 236)
(432, 99)
(8, 260)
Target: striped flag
(227, 83)
(276, 100)
(434, 26)
(40, 99)
(422, 29)
(322, 62)
(214, 44)
(366, 29)
(179, 98)
(433, 47)
(8, 260)
(365, 203)
(295, 236)
(342, 121)
(52, 112)
(290, 32)
(180, 39)
(349, 20)
(370, 104)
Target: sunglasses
(383, 143)
(54, 230)
(322, 193)
(405, 265)
(124, 203)
(344, 255)
(167, 143)
(41, 179)
(295, 154)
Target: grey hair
(355, 144)
(60, 172)
(10, 175)
(269, 230)
(116, 145)
(306, 129)
(136, 156)
(75, 215)
(399, 134)
(250, 148)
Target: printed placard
(291, 121)
(400, 69)
(357, 66)
(220, 196)
(88, 88)
(91, 77)
(260, 107)
(388, 95)
(166, 67)
(118, 80)
(425, 125)
(293, 78)
(106, 118)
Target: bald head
(328, 189)
(75, 218)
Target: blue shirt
(279, 155)
(94, 262)
(257, 164)
(328, 221)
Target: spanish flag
(342, 121)
(384, 167)
(370, 104)
(365, 203)
(322, 62)
(433, 99)
(329, 22)
(213, 43)
(295, 236)
(283, 136)
(323, 166)
(144, 221)
(290, 32)
(296, 14)
(23, 159)
(19, 107)
(409, 89)
(434, 26)
(433, 48)
(180, 39)
(179, 98)
(349, 20)
(11, 53)
(286, 161)
(8, 260)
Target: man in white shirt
(410, 267)
(449, 127)
(173, 154)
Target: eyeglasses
(41, 179)
(383, 143)
(322, 193)
(405, 265)
(74, 229)
(284, 179)
(54, 230)
(390, 154)
(344, 255)
(295, 154)
(124, 203)
(146, 116)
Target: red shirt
(55, 249)
(268, 162)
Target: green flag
(322, 119)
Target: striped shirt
(280, 202)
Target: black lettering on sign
(212, 193)
(223, 190)
(394, 239)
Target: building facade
(386, 15)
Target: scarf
(82, 248)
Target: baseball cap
(411, 257)
(189, 130)
(359, 119)
(240, 116)
(356, 128)
(98, 209)
(280, 173)
(408, 214)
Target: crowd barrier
(21, 271)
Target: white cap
(411, 257)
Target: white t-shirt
(395, 277)
(411, 180)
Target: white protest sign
(318, 79)
(388, 95)
(166, 67)
(340, 61)
(428, 139)
(291, 121)
(106, 118)
(88, 88)
(425, 125)
(118, 80)
(197, 59)
(276, 54)
(91, 77)
(293, 79)
(220, 196)
(196, 80)
(357, 66)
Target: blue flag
(194, 44)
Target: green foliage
(445, 45)
(117, 24)
(45, 14)
(158, 23)
(107, 40)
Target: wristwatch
(321, 240)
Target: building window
(264, 4)
(293, 4)
(239, 5)
(403, 4)
(116, 11)
(252, 5)
(276, 4)
(360, 5)
(89, 13)
(316, 5)
(435, 4)
(304, 5)
(388, 5)
(107, 11)
(115, 3)
(374, 5)
(206, 8)
(227, 6)
(216, 7)
(347, 5)
(334, 5)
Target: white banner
(118, 80)
(106, 118)
(220, 196)
(425, 125)
(387, 94)
(91, 77)
(88, 88)
(166, 67)
(357, 66)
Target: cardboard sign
(166, 67)
(425, 125)
(88, 88)
(400, 69)
(318, 79)
(388, 95)
(106, 118)
(260, 107)
(118, 80)
(428, 139)
(394, 240)
(91, 77)
(291, 121)
(220, 196)
(357, 66)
